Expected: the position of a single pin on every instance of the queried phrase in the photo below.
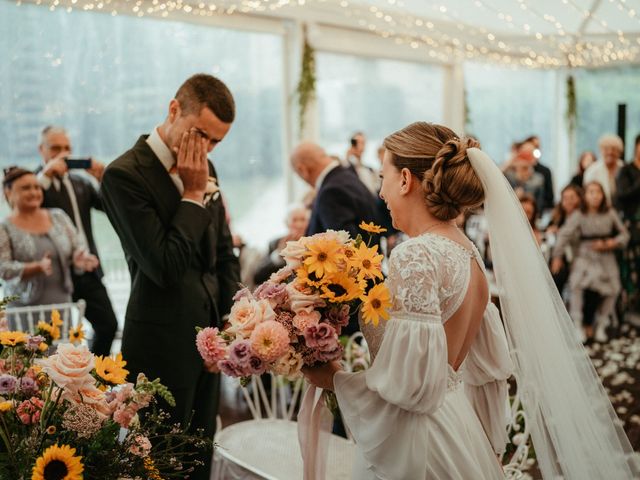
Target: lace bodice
(428, 277)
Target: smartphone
(78, 162)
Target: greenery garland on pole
(306, 88)
(572, 105)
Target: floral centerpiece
(295, 318)
(71, 415)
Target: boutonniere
(212, 191)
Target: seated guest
(530, 208)
(587, 158)
(342, 201)
(297, 222)
(38, 247)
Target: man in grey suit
(163, 201)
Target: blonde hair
(438, 158)
(611, 140)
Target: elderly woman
(605, 170)
(38, 247)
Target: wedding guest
(163, 199)
(586, 159)
(534, 141)
(606, 169)
(342, 201)
(530, 207)
(367, 175)
(38, 247)
(525, 180)
(600, 232)
(297, 222)
(628, 201)
(76, 195)
(571, 200)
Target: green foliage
(306, 89)
(572, 105)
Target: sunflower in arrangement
(58, 463)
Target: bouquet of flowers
(295, 318)
(71, 415)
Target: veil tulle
(576, 433)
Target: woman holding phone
(38, 247)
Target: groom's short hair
(202, 90)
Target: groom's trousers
(201, 400)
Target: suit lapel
(157, 178)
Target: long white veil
(576, 433)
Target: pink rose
(246, 314)
(301, 301)
(293, 252)
(322, 337)
(70, 367)
(281, 275)
(275, 293)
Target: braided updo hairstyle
(438, 158)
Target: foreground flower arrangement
(296, 317)
(71, 415)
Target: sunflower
(111, 370)
(371, 227)
(341, 288)
(11, 339)
(52, 331)
(308, 279)
(58, 463)
(43, 347)
(375, 304)
(324, 257)
(76, 335)
(367, 261)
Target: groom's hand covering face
(205, 123)
(192, 165)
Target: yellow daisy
(11, 339)
(43, 347)
(368, 261)
(112, 370)
(56, 321)
(341, 288)
(152, 470)
(371, 227)
(59, 463)
(76, 335)
(324, 256)
(6, 406)
(51, 429)
(375, 304)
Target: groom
(162, 199)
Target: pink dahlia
(270, 341)
(211, 347)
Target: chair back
(26, 319)
(272, 396)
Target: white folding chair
(26, 319)
(516, 465)
(266, 447)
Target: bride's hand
(322, 375)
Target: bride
(434, 404)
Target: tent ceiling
(532, 33)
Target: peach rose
(289, 365)
(340, 236)
(90, 395)
(246, 314)
(304, 319)
(70, 367)
(293, 253)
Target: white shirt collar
(161, 150)
(325, 172)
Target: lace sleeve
(412, 280)
(10, 269)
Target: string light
(441, 40)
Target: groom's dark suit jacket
(183, 269)
(341, 203)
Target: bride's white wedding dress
(413, 417)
